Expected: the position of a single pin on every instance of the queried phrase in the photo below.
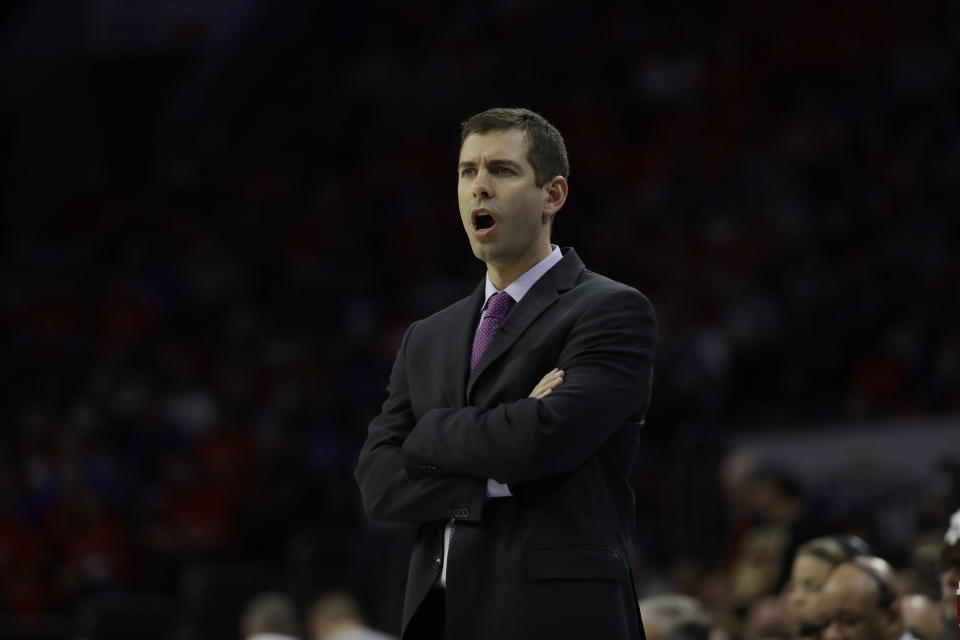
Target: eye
(469, 171)
(503, 171)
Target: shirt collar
(519, 287)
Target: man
(950, 576)
(513, 418)
(270, 616)
(336, 616)
(859, 601)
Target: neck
(501, 275)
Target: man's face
(503, 210)
(849, 607)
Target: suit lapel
(458, 343)
(541, 296)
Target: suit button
(437, 562)
(464, 512)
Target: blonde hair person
(811, 566)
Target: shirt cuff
(497, 490)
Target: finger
(550, 381)
(550, 377)
(542, 390)
(537, 391)
(549, 384)
(541, 386)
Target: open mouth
(483, 220)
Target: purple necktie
(497, 308)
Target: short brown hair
(548, 153)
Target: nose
(481, 185)
(795, 600)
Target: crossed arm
(391, 494)
(569, 414)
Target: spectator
(921, 617)
(336, 616)
(859, 601)
(811, 566)
(270, 616)
(767, 620)
(761, 564)
(950, 576)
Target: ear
(556, 192)
(892, 619)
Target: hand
(548, 383)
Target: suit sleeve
(388, 492)
(608, 362)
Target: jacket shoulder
(600, 286)
(443, 316)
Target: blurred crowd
(833, 587)
(779, 585)
(786, 573)
(332, 616)
(213, 243)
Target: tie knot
(499, 304)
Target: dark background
(219, 217)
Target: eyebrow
(493, 161)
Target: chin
(480, 251)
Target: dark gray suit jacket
(553, 561)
